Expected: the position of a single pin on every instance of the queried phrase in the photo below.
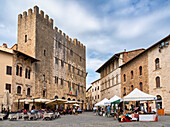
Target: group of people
(74, 110)
(6, 112)
(106, 111)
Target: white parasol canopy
(115, 98)
(40, 100)
(137, 95)
(73, 102)
(22, 100)
(101, 103)
(56, 101)
(6, 99)
(76, 105)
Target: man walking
(108, 111)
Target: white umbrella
(6, 99)
(56, 101)
(40, 100)
(101, 103)
(23, 100)
(76, 105)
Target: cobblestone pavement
(86, 119)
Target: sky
(105, 27)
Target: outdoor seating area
(53, 110)
(36, 115)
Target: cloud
(105, 27)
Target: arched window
(141, 86)
(157, 82)
(26, 73)
(124, 93)
(132, 87)
(63, 97)
(56, 97)
(19, 70)
(140, 70)
(18, 89)
(69, 99)
(74, 100)
(159, 102)
(157, 63)
(124, 77)
(131, 74)
(28, 91)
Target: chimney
(4, 45)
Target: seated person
(32, 111)
(6, 114)
(25, 111)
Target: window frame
(158, 82)
(140, 70)
(20, 89)
(9, 70)
(8, 87)
(29, 91)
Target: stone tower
(35, 38)
(61, 71)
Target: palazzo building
(59, 67)
(110, 73)
(149, 72)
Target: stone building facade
(61, 72)
(134, 74)
(89, 99)
(21, 84)
(149, 72)
(6, 62)
(96, 94)
(110, 73)
(158, 72)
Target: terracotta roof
(19, 52)
(113, 58)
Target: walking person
(108, 111)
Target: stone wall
(163, 72)
(134, 65)
(47, 45)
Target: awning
(57, 101)
(40, 100)
(73, 102)
(22, 100)
(76, 105)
